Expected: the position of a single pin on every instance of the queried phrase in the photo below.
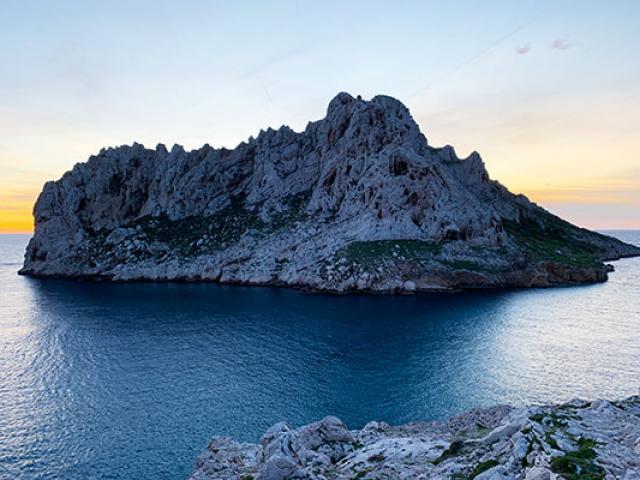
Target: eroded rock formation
(357, 201)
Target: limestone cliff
(357, 201)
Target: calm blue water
(131, 381)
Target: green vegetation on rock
(482, 467)
(552, 240)
(375, 251)
(551, 441)
(362, 473)
(579, 465)
(454, 449)
(221, 229)
(295, 211)
(224, 227)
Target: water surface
(131, 380)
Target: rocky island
(577, 440)
(358, 201)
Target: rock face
(357, 201)
(576, 440)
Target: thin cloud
(9, 207)
(560, 44)
(18, 197)
(523, 50)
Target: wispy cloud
(17, 200)
(560, 44)
(18, 197)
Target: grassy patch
(221, 229)
(374, 251)
(579, 465)
(454, 449)
(294, 212)
(482, 467)
(552, 241)
(557, 420)
(551, 441)
(361, 473)
(587, 443)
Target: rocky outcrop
(357, 201)
(575, 440)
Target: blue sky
(547, 92)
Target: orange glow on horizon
(16, 221)
(16, 207)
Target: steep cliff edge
(357, 201)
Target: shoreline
(399, 289)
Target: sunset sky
(547, 91)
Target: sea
(131, 381)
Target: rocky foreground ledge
(576, 440)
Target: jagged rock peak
(341, 99)
(381, 112)
(346, 100)
(343, 111)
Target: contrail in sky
(472, 58)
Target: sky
(547, 91)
